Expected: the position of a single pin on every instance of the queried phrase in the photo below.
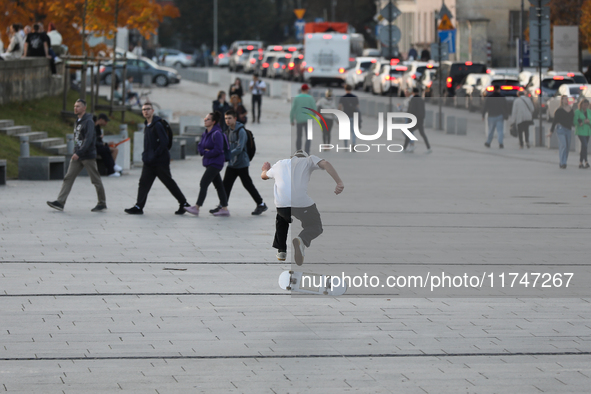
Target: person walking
(298, 115)
(496, 107)
(582, 122)
(522, 117)
(103, 149)
(416, 106)
(221, 105)
(156, 160)
(211, 147)
(327, 102)
(238, 165)
(349, 104)
(257, 89)
(84, 157)
(563, 123)
(291, 198)
(235, 88)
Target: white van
(327, 57)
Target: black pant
(105, 153)
(326, 133)
(311, 225)
(256, 99)
(210, 175)
(421, 131)
(584, 142)
(149, 174)
(301, 128)
(230, 178)
(523, 128)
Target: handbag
(513, 130)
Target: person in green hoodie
(583, 130)
(298, 115)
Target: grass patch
(45, 115)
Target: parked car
(137, 68)
(415, 69)
(253, 61)
(292, 71)
(388, 79)
(276, 68)
(509, 87)
(239, 54)
(576, 76)
(469, 87)
(268, 59)
(222, 60)
(572, 91)
(453, 73)
(174, 58)
(356, 74)
(373, 71)
(547, 88)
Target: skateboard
(308, 283)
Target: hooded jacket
(85, 138)
(213, 141)
(155, 144)
(238, 140)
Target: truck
(326, 57)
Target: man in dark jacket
(496, 107)
(156, 160)
(84, 157)
(416, 106)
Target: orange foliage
(67, 15)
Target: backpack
(168, 131)
(251, 147)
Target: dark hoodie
(85, 138)
(155, 144)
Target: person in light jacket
(522, 116)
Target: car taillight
(582, 87)
(265, 65)
(359, 72)
(538, 91)
(301, 57)
(521, 89)
(240, 52)
(288, 56)
(429, 66)
(277, 48)
(341, 70)
(448, 82)
(413, 76)
(468, 63)
(570, 74)
(327, 36)
(351, 59)
(388, 77)
(250, 47)
(490, 88)
(282, 66)
(292, 49)
(252, 61)
(488, 70)
(509, 87)
(394, 62)
(429, 84)
(221, 55)
(374, 61)
(291, 65)
(102, 69)
(275, 65)
(558, 78)
(310, 69)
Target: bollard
(539, 136)
(450, 125)
(123, 131)
(428, 119)
(462, 126)
(70, 144)
(25, 146)
(439, 121)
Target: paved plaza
(161, 303)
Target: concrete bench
(2, 172)
(191, 142)
(41, 168)
(178, 150)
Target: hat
(305, 87)
(300, 153)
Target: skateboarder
(296, 201)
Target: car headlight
(172, 75)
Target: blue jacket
(213, 141)
(238, 139)
(155, 144)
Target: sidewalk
(160, 303)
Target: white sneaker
(115, 174)
(298, 249)
(281, 256)
(117, 168)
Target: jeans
(301, 128)
(242, 173)
(564, 137)
(495, 122)
(149, 174)
(311, 225)
(584, 142)
(210, 175)
(256, 99)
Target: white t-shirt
(258, 87)
(291, 181)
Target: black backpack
(168, 131)
(251, 147)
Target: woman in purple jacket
(211, 147)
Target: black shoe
(56, 205)
(581, 165)
(260, 209)
(135, 210)
(587, 165)
(215, 209)
(563, 166)
(99, 207)
(182, 207)
(501, 146)
(487, 144)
